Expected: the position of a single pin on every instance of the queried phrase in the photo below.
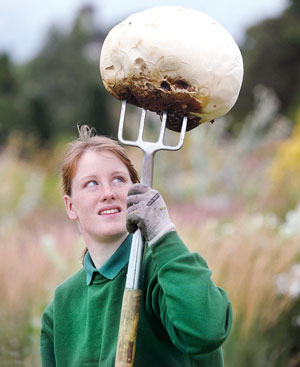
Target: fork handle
(128, 327)
(130, 309)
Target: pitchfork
(132, 293)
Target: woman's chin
(113, 234)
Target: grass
(35, 255)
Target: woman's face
(98, 199)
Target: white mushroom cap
(175, 59)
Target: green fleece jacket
(184, 317)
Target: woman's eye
(91, 183)
(119, 179)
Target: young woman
(184, 317)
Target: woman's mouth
(109, 211)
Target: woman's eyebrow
(89, 177)
(117, 172)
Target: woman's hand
(148, 212)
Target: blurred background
(232, 191)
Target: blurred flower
(289, 283)
(291, 226)
(35, 323)
(47, 240)
(227, 229)
(260, 220)
(49, 246)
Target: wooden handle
(128, 327)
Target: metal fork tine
(121, 122)
(163, 127)
(142, 125)
(181, 138)
(182, 133)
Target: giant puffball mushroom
(175, 59)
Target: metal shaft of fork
(134, 272)
(133, 279)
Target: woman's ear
(69, 207)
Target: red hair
(88, 140)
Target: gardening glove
(148, 212)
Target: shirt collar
(112, 267)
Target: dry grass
(35, 255)
(29, 253)
(246, 257)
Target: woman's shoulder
(72, 284)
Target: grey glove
(148, 212)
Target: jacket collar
(112, 267)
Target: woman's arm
(196, 314)
(47, 344)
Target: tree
(9, 91)
(67, 79)
(60, 87)
(271, 55)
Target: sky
(24, 23)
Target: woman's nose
(108, 193)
